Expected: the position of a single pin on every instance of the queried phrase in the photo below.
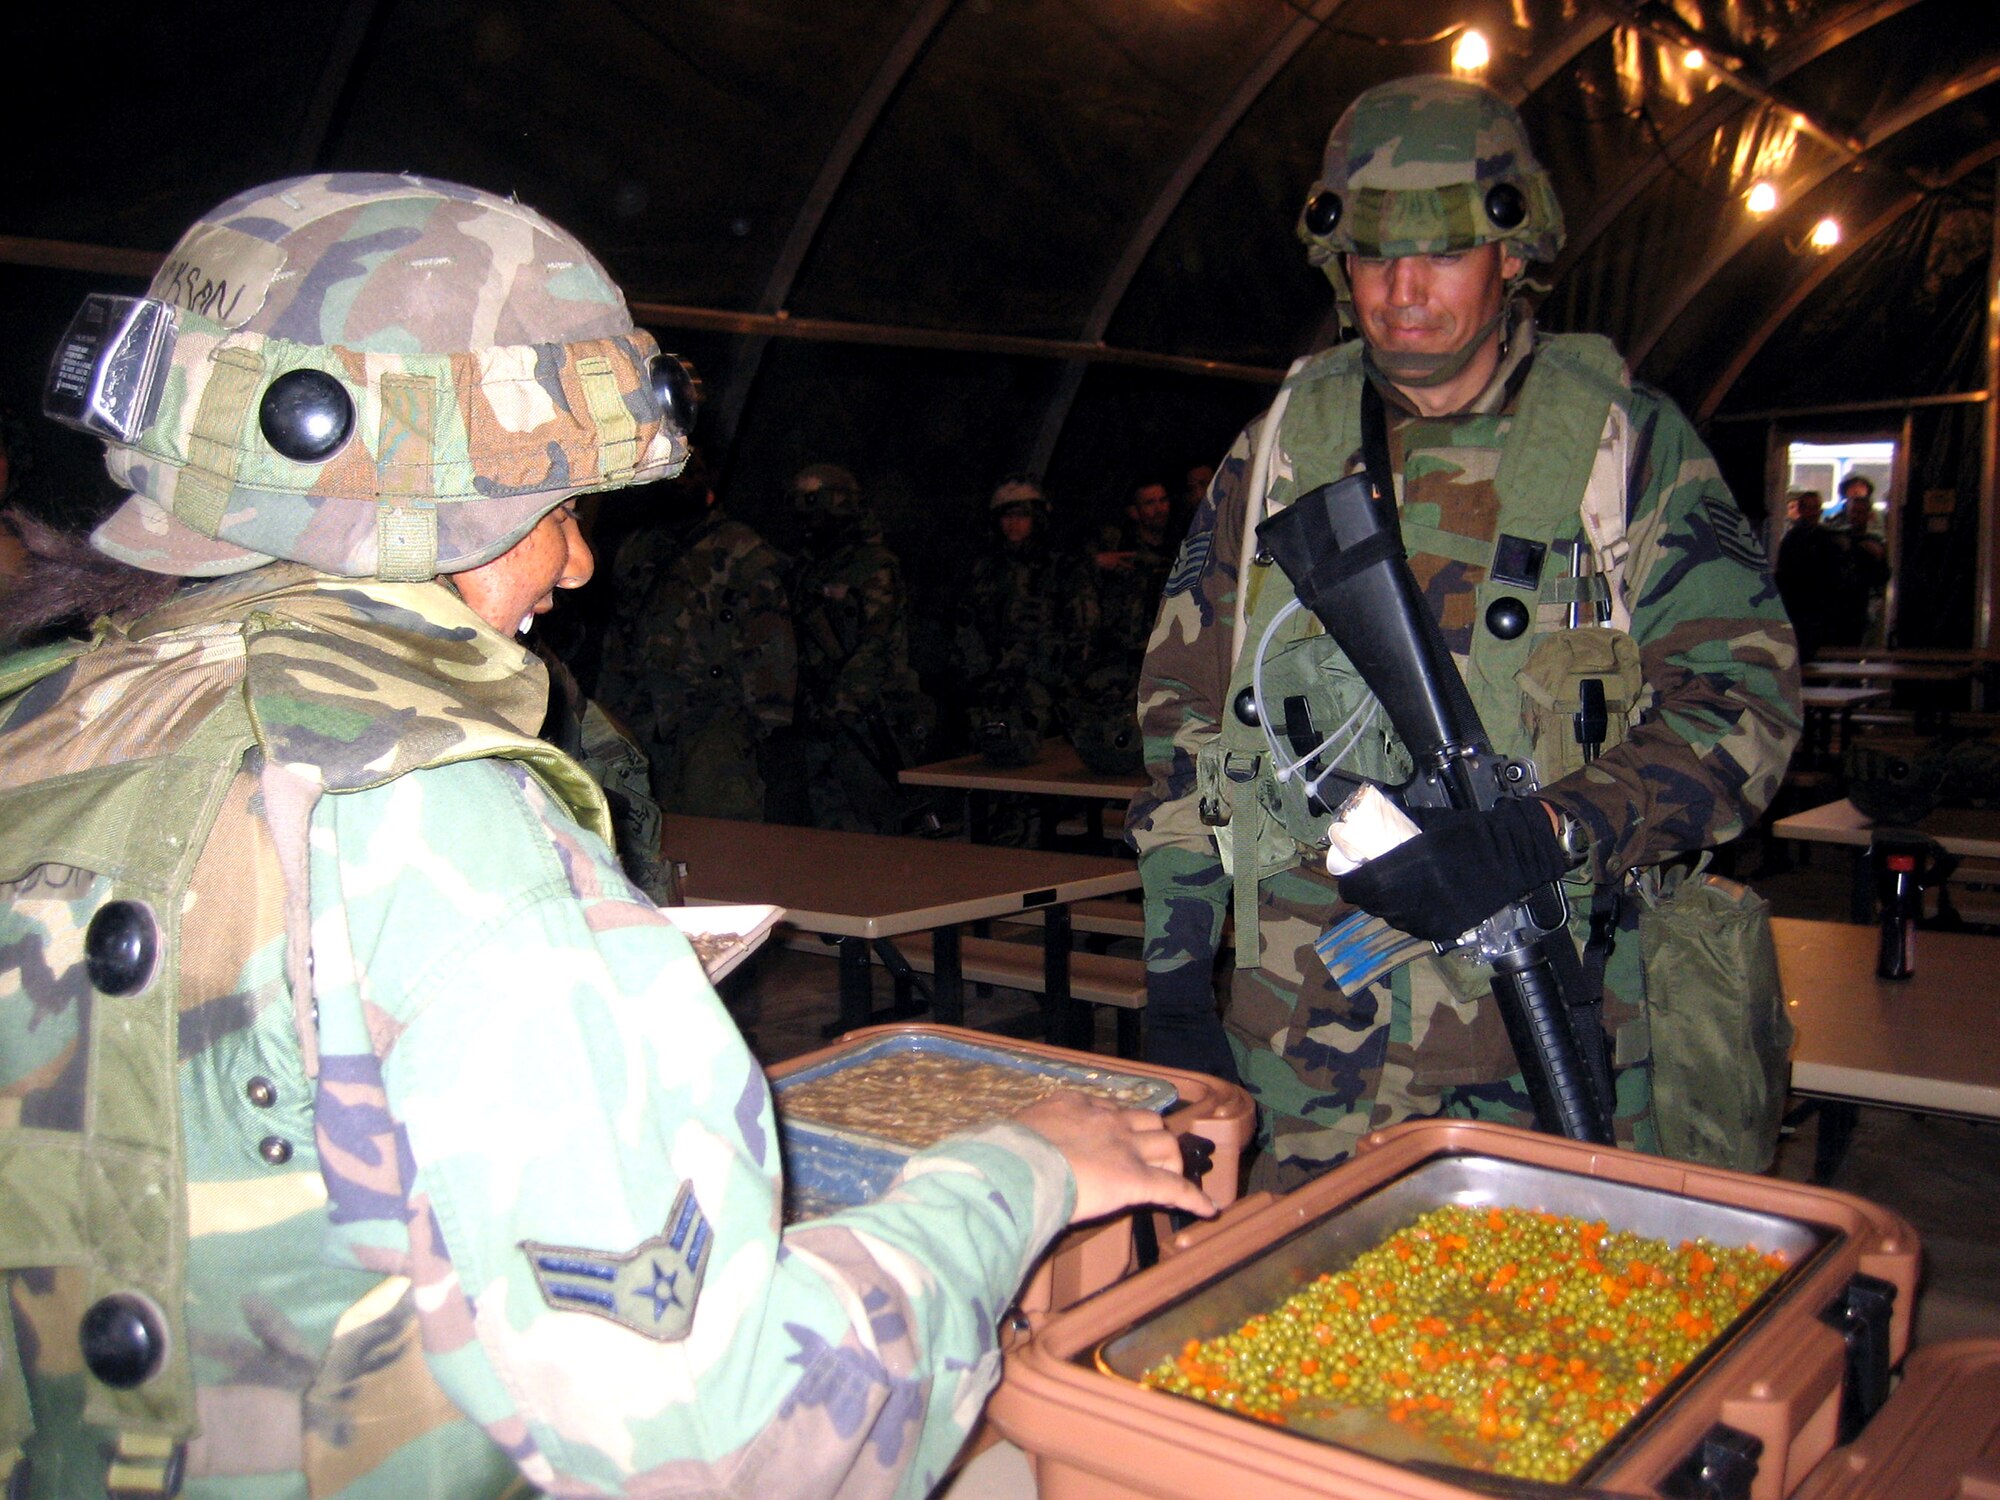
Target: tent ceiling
(1023, 181)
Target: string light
(1761, 198)
(1470, 54)
(1694, 60)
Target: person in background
(1131, 569)
(1022, 629)
(368, 1131)
(862, 717)
(1430, 209)
(1856, 617)
(1812, 568)
(1130, 576)
(706, 670)
(1194, 490)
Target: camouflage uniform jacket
(851, 614)
(1128, 600)
(1027, 614)
(1716, 655)
(480, 1182)
(714, 637)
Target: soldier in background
(707, 668)
(1864, 576)
(1130, 575)
(368, 1133)
(861, 716)
(1430, 209)
(1022, 630)
(1130, 568)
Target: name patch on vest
(650, 1289)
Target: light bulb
(1694, 60)
(1469, 54)
(1762, 198)
(1825, 234)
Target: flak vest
(1557, 548)
(278, 684)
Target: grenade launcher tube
(1341, 547)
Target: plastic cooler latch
(1721, 1466)
(1197, 1156)
(1861, 1315)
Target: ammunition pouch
(1552, 683)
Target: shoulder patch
(1733, 536)
(1194, 557)
(650, 1289)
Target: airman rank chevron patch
(650, 1289)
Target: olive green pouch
(1559, 664)
(1720, 1035)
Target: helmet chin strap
(1435, 369)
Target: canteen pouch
(1720, 1035)
(1561, 662)
(1327, 729)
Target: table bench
(1105, 918)
(1098, 978)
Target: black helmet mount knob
(1323, 212)
(306, 415)
(1506, 208)
(678, 389)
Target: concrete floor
(1943, 1175)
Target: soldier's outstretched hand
(1120, 1157)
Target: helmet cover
(1430, 165)
(1021, 489)
(485, 366)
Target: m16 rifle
(1341, 547)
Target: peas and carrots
(1432, 1328)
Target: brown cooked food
(917, 1099)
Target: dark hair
(66, 584)
(1863, 480)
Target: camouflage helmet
(1429, 166)
(827, 488)
(374, 375)
(1019, 489)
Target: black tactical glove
(1460, 870)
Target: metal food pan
(1141, 1092)
(1333, 1241)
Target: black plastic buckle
(1721, 1467)
(1861, 1315)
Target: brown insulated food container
(1082, 1261)
(1937, 1439)
(1801, 1370)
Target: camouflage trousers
(1327, 1067)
